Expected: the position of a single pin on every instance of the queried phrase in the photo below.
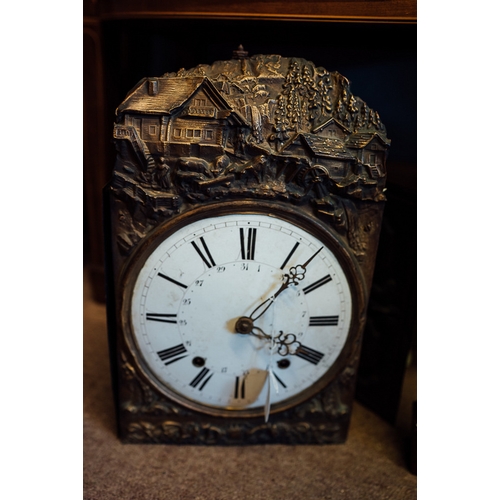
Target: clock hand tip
(311, 258)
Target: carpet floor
(371, 465)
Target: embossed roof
(172, 94)
(362, 140)
(323, 146)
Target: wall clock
(242, 222)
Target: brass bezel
(290, 214)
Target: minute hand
(295, 274)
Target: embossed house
(332, 128)
(180, 117)
(328, 152)
(370, 150)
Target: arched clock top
(261, 127)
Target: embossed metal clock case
(242, 222)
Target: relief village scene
(266, 127)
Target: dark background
(378, 59)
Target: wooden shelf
(373, 11)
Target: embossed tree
(281, 123)
(363, 117)
(292, 88)
(313, 94)
(325, 90)
(303, 98)
(342, 112)
(352, 106)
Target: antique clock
(242, 221)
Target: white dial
(226, 305)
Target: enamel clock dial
(239, 313)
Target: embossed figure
(162, 174)
(220, 165)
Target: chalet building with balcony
(370, 150)
(179, 117)
(328, 152)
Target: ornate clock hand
(295, 275)
(287, 343)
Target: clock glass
(234, 312)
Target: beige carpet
(369, 466)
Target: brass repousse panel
(264, 133)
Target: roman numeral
(317, 284)
(309, 354)
(289, 256)
(173, 354)
(279, 380)
(168, 278)
(203, 377)
(239, 388)
(207, 258)
(164, 318)
(323, 321)
(248, 247)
